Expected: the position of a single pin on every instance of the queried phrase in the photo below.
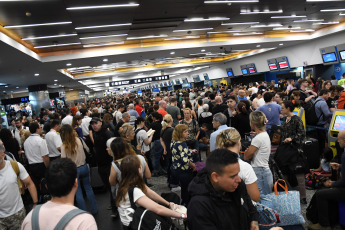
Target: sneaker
(176, 189)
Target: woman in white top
(141, 135)
(143, 196)
(73, 148)
(231, 140)
(259, 152)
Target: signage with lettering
(140, 80)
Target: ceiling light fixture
(239, 23)
(324, 0)
(179, 38)
(287, 28)
(230, 1)
(342, 14)
(40, 24)
(224, 31)
(206, 19)
(55, 80)
(146, 37)
(52, 36)
(55, 84)
(263, 26)
(331, 10)
(6, 86)
(186, 30)
(17, 87)
(291, 16)
(69, 64)
(103, 44)
(310, 20)
(55, 45)
(102, 26)
(203, 50)
(104, 36)
(37, 74)
(257, 46)
(172, 52)
(105, 59)
(250, 33)
(300, 31)
(281, 44)
(325, 23)
(101, 6)
(263, 12)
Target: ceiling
(77, 40)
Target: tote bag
(287, 204)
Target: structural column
(39, 97)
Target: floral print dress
(181, 156)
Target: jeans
(324, 197)
(265, 180)
(157, 154)
(184, 177)
(84, 178)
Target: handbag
(88, 155)
(287, 204)
(268, 217)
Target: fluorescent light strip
(40, 24)
(101, 7)
(342, 14)
(332, 10)
(310, 20)
(206, 19)
(287, 28)
(251, 33)
(263, 26)
(53, 36)
(103, 44)
(176, 31)
(291, 16)
(226, 31)
(104, 36)
(263, 12)
(325, 0)
(231, 1)
(239, 23)
(179, 38)
(299, 31)
(325, 23)
(102, 26)
(67, 44)
(146, 37)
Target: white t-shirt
(141, 136)
(85, 122)
(118, 116)
(263, 143)
(125, 210)
(10, 199)
(67, 120)
(51, 213)
(35, 148)
(246, 173)
(261, 102)
(53, 142)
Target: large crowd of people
(214, 144)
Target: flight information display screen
(244, 71)
(339, 123)
(330, 57)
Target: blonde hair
(228, 138)
(178, 132)
(258, 118)
(166, 120)
(125, 130)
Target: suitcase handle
(284, 187)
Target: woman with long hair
(231, 139)
(182, 160)
(108, 122)
(73, 148)
(76, 122)
(11, 144)
(143, 196)
(193, 131)
(127, 133)
(241, 119)
(259, 152)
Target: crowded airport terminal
(172, 115)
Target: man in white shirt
(85, 123)
(62, 184)
(16, 131)
(37, 153)
(53, 140)
(12, 211)
(118, 114)
(68, 119)
(219, 123)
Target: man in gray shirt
(174, 111)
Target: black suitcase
(311, 151)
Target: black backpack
(144, 219)
(310, 114)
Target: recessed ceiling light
(186, 30)
(325, 0)
(203, 50)
(224, 31)
(299, 31)
(101, 6)
(102, 26)
(239, 23)
(37, 74)
(172, 52)
(331, 10)
(230, 1)
(281, 44)
(55, 80)
(325, 23)
(206, 19)
(291, 16)
(180, 38)
(69, 64)
(105, 36)
(146, 37)
(6, 86)
(250, 33)
(263, 26)
(55, 45)
(287, 28)
(41, 24)
(17, 87)
(263, 12)
(52, 36)
(258, 46)
(55, 84)
(105, 59)
(11, 91)
(4, 91)
(310, 20)
(103, 44)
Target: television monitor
(230, 74)
(342, 55)
(252, 70)
(339, 123)
(283, 65)
(329, 57)
(207, 78)
(273, 66)
(244, 71)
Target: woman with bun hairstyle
(231, 140)
(241, 119)
(259, 152)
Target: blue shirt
(272, 112)
(322, 111)
(214, 135)
(242, 98)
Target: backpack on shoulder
(144, 219)
(310, 113)
(15, 167)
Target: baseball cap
(95, 120)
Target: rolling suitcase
(311, 151)
(95, 179)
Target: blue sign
(139, 91)
(155, 90)
(24, 99)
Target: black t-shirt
(167, 137)
(219, 108)
(100, 146)
(157, 126)
(117, 127)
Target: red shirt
(162, 112)
(138, 108)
